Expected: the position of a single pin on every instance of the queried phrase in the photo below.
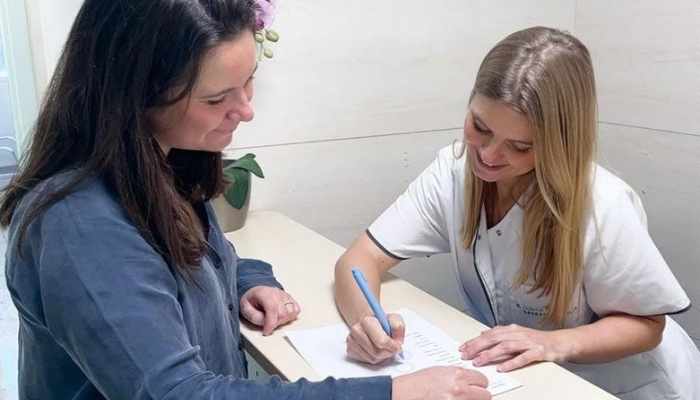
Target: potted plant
(232, 207)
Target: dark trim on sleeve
(690, 305)
(387, 252)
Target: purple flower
(265, 13)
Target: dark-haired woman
(125, 285)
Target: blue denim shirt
(102, 315)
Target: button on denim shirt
(103, 316)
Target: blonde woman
(551, 250)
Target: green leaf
(237, 172)
(245, 157)
(251, 166)
(237, 192)
(230, 174)
(247, 163)
(232, 162)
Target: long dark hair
(122, 59)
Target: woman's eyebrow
(217, 94)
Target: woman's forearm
(364, 255)
(611, 338)
(349, 299)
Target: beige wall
(49, 23)
(647, 60)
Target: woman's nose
(242, 108)
(491, 151)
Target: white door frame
(14, 33)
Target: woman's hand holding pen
(367, 341)
(514, 346)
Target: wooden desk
(304, 261)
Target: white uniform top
(623, 273)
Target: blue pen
(372, 301)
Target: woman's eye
(521, 148)
(214, 102)
(479, 128)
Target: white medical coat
(623, 272)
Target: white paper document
(425, 345)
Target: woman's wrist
(564, 345)
(402, 389)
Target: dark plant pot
(230, 218)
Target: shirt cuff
(374, 388)
(253, 273)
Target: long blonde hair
(547, 75)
